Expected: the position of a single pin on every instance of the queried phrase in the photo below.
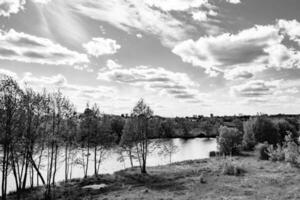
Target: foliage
(231, 168)
(265, 131)
(229, 140)
(291, 150)
(262, 151)
(249, 141)
(276, 153)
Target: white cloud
(110, 64)
(274, 92)
(256, 88)
(22, 47)
(291, 28)
(132, 16)
(42, 1)
(253, 49)
(101, 46)
(139, 35)
(178, 85)
(178, 5)
(199, 16)
(79, 94)
(234, 1)
(8, 7)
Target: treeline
(275, 137)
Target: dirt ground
(198, 179)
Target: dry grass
(198, 179)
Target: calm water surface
(196, 148)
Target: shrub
(276, 154)
(291, 151)
(229, 140)
(249, 141)
(284, 129)
(262, 150)
(214, 153)
(265, 131)
(230, 168)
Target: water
(196, 148)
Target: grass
(214, 178)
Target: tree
(229, 140)
(167, 129)
(137, 132)
(249, 141)
(117, 125)
(265, 131)
(10, 98)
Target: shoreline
(189, 179)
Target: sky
(184, 57)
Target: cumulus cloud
(8, 7)
(22, 47)
(259, 47)
(101, 46)
(179, 85)
(291, 28)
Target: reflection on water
(196, 148)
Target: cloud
(199, 16)
(22, 47)
(111, 65)
(234, 1)
(42, 1)
(274, 92)
(138, 35)
(101, 46)
(256, 88)
(132, 16)
(178, 5)
(238, 73)
(8, 7)
(80, 94)
(291, 28)
(253, 49)
(179, 85)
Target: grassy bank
(198, 179)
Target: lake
(187, 149)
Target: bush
(214, 153)
(276, 154)
(232, 169)
(284, 129)
(262, 150)
(249, 141)
(291, 150)
(265, 131)
(229, 140)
